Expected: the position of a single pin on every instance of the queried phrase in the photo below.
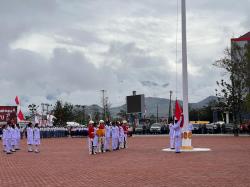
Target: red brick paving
(66, 162)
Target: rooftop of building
(245, 37)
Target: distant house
(242, 40)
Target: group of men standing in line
(100, 136)
(12, 135)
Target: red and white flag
(178, 113)
(17, 100)
(20, 116)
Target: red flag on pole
(20, 115)
(178, 113)
(17, 100)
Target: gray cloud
(70, 50)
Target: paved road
(66, 162)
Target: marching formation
(12, 136)
(104, 136)
(33, 138)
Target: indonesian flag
(178, 113)
(20, 115)
(17, 100)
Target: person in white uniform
(13, 138)
(18, 137)
(37, 138)
(177, 135)
(117, 135)
(171, 135)
(4, 138)
(30, 137)
(107, 136)
(114, 136)
(125, 129)
(8, 138)
(121, 137)
(95, 141)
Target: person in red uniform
(91, 136)
(125, 129)
(101, 135)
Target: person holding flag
(171, 134)
(178, 124)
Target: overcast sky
(72, 49)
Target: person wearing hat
(18, 136)
(121, 136)
(95, 140)
(177, 134)
(125, 129)
(171, 134)
(8, 138)
(107, 136)
(36, 138)
(13, 137)
(91, 135)
(30, 137)
(101, 135)
(114, 136)
(117, 135)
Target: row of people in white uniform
(33, 138)
(106, 136)
(11, 138)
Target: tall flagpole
(186, 142)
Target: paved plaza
(66, 162)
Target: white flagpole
(185, 143)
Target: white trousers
(171, 142)
(107, 143)
(177, 140)
(114, 143)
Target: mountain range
(151, 104)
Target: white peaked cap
(91, 122)
(101, 121)
(124, 121)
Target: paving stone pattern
(66, 162)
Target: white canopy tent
(72, 124)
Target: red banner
(7, 113)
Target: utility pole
(169, 111)
(104, 104)
(157, 113)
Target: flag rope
(176, 48)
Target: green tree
(63, 113)
(234, 90)
(79, 113)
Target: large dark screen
(135, 104)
